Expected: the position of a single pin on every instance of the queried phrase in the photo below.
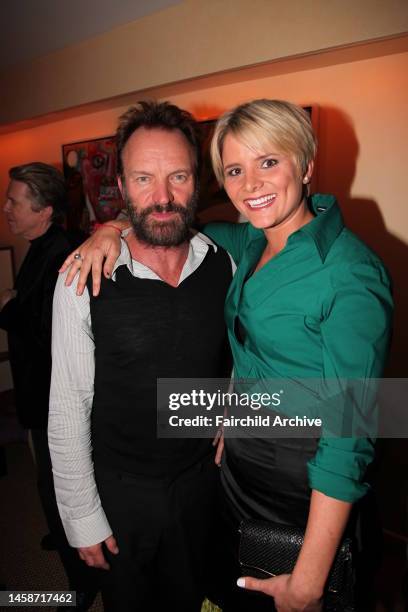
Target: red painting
(90, 170)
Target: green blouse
(321, 308)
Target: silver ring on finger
(78, 257)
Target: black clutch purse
(267, 549)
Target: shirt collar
(51, 230)
(199, 245)
(323, 229)
(327, 224)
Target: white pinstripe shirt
(71, 395)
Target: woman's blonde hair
(262, 123)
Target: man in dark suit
(35, 206)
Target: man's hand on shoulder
(93, 555)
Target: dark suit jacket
(27, 320)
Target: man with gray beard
(140, 507)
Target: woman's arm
(233, 237)
(303, 589)
(100, 252)
(325, 527)
(104, 244)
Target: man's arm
(69, 431)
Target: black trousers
(164, 531)
(80, 576)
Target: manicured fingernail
(241, 582)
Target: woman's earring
(306, 186)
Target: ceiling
(31, 28)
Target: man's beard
(163, 233)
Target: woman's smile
(261, 202)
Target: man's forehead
(18, 189)
(158, 144)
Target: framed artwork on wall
(90, 170)
(213, 204)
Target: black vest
(145, 329)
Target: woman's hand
(104, 244)
(287, 596)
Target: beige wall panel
(188, 40)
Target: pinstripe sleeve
(69, 421)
